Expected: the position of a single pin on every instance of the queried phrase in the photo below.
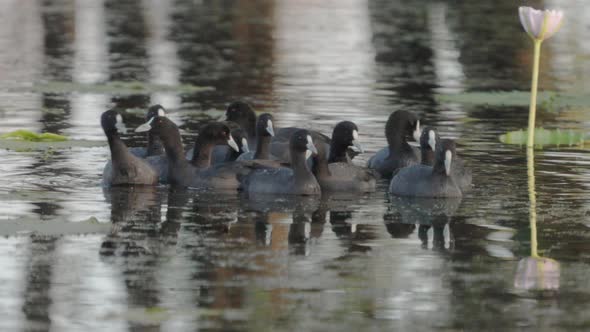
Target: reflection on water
(535, 272)
(75, 257)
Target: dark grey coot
(398, 154)
(124, 168)
(429, 181)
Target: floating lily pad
(26, 135)
(545, 137)
(549, 100)
(115, 88)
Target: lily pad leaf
(545, 137)
(549, 100)
(26, 135)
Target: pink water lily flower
(540, 24)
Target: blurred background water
(75, 256)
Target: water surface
(75, 256)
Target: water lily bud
(540, 24)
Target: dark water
(76, 257)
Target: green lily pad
(26, 135)
(549, 100)
(545, 137)
(115, 88)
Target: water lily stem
(532, 200)
(533, 107)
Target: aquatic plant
(539, 25)
(546, 137)
(26, 135)
(24, 140)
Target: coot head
(155, 110)
(445, 155)
(154, 143)
(301, 142)
(264, 125)
(217, 133)
(402, 125)
(429, 139)
(243, 114)
(157, 125)
(112, 123)
(346, 133)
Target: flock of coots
(247, 153)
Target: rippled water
(77, 257)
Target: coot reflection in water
(404, 213)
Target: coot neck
(202, 152)
(320, 166)
(439, 168)
(299, 165)
(397, 141)
(117, 146)
(338, 152)
(250, 127)
(427, 157)
(263, 147)
(155, 146)
(173, 147)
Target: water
(76, 257)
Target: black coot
(398, 153)
(459, 172)
(124, 168)
(264, 134)
(338, 174)
(429, 181)
(197, 173)
(295, 180)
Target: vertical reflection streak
(84, 289)
(90, 66)
(163, 60)
(12, 276)
(324, 59)
(21, 63)
(448, 69)
(89, 42)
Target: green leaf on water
(549, 100)
(545, 137)
(26, 135)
